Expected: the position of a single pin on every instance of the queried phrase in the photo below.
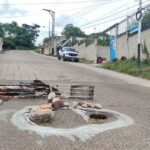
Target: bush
(146, 61)
(130, 67)
(134, 71)
(146, 75)
(145, 50)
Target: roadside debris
(51, 96)
(46, 106)
(34, 89)
(66, 104)
(82, 92)
(87, 105)
(57, 104)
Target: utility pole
(49, 35)
(127, 34)
(52, 13)
(139, 18)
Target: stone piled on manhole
(45, 112)
(87, 105)
(57, 103)
(40, 115)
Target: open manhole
(73, 123)
(101, 117)
(68, 118)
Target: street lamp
(52, 13)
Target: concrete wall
(1, 44)
(92, 51)
(132, 45)
(48, 46)
(104, 52)
(82, 51)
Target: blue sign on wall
(112, 48)
(133, 29)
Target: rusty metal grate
(75, 91)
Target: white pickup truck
(68, 53)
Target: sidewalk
(124, 77)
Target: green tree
(72, 31)
(19, 36)
(45, 40)
(103, 40)
(146, 17)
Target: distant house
(48, 46)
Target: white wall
(92, 51)
(132, 50)
(104, 52)
(1, 44)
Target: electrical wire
(55, 11)
(106, 16)
(83, 12)
(53, 3)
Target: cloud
(64, 19)
(8, 10)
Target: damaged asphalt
(112, 92)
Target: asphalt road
(111, 91)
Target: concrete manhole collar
(84, 132)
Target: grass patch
(130, 67)
(37, 50)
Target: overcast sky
(89, 15)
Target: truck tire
(64, 59)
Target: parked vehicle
(68, 53)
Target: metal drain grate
(76, 91)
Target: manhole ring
(84, 132)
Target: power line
(53, 3)
(112, 19)
(79, 13)
(107, 15)
(43, 14)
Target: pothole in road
(72, 118)
(101, 117)
(82, 120)
(78, 124)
